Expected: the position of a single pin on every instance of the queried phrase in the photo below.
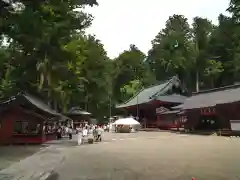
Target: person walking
(100, 131)
(58, 133)
(70, 133)
(104, 127)
(90, 135)
(79, 133)
(66, 129)
(95, 133)
(84, 133)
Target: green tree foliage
(170, 53)
(44, 50)
(223, 45)
(51, 53)
(234, 8)
(212, 71)
(131, 89)
(201, 31)
(203, 55)
(129, 66)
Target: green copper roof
(212, 97)
(152, 93)
(174, 98)
(23, 98)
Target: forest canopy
(45, 51)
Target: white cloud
(119, 23)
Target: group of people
(61, 131)
(92, 133)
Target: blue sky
(119, 23)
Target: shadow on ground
(203, 133)
(15, 153)
(61, 144)
(53, 176)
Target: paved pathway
(153, 156)
(134, 156)
(40, 165)
(12, 154)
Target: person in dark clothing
(99, 133)
(70, 132)
(59, 133)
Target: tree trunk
(55, 105)
(64, 107)
(41, 82)
(86, 105)
(86, 101)
(64, 101)
(110, 106)
(49, 89)
(197, 81)
(212, 83)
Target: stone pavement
(152, 156)
(42, 164)
(14, 153)
(38, 166)
(142, 156)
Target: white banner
(235, 125)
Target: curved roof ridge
(134, 96)
(216, 89)
(159, 83)
(169, 80)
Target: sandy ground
(13, 154)
(145, 156)
(152, 155)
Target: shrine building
(149, 103)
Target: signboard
(161, 110)
(208, 111)
(235, 125)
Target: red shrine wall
(149, 116)
(8, 120)
(168, 121)
(221, 116)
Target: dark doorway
(208, 123)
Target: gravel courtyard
(152, 155)
(13, 154)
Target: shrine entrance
(208, 120)
(208, 123)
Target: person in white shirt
(104, 127)
(79, 131)
(66, 131)
(84, 132)
(90, 133)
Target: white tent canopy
(126, 121)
